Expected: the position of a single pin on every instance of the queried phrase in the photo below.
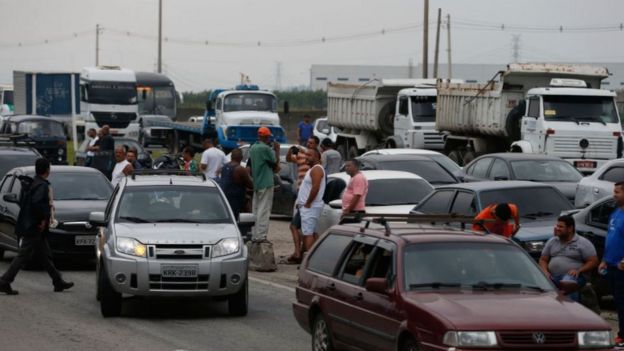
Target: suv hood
(535, 230)
(77, 210)
(507, 311)
(177, 233)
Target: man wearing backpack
(32, 226)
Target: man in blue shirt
(613, 258)
(304, 130)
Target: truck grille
(539, 340)
(596, 148)
(114, 120)
(157, 282)
(433, 138)
(178, 252)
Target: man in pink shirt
(354, 197)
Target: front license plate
(585, 164)
(178, 271)
(84, 240)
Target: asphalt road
(39, 319)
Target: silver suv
(169, 235)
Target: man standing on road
(212, 159)
(92, 147)
(310, 197)
(103, 160)
(304, 130)
(354, 197)
(613, 258)
(131, 157)
(496, 219)
(32, 225)
(235, 181)
(264, 162)
(567, 258)
(330, 158)
(122, 167)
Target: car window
(545, 171)
(479, 168)
(4, 188)
(599, 215)
(438, 203)
(499, 170)
(356, 263)
(17, 186)
(428, 169)
(382, 264)
(464, 204)
(327, 254)
(613, 174)
(532, 202)
(109, 205)
(388, 192)
(333, 190)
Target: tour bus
(156, 94)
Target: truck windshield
(111, 93)
(599, 109)
(423, 108)
(250, 102)
(41, 128)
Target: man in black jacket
(32, 226)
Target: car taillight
(617, 134)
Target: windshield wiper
(498, 286)
(134, 219)
(176, 220)
(535, 215)
(435, 285)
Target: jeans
(35, 248)
(615, 278)
(262, 203)
(581, 283)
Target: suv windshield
(386, 192)
(430, 170)
(80, 186)
(580, 108)
(472, 265)
(111, 93)
(153, 204)
(531, 202)
(149, 121)
(250, 102)
(41, 128)
(423, 108)
(545, 171)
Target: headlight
(470, 339)
(534, 246)
(131, 247)
(592, 339)
(226, 247)
(61, 152)
(133, 133)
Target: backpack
(24, 204)
(26, 184)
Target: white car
(438, 157)
(389, 192)
(323, 130)
(600, 184)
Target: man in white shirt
(122, 167)
(92, 147)
(212, 159)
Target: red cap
(264, 131)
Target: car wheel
(110, 300)
(237, 303)
(409, 345)
(321, 336)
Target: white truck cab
(414, 121)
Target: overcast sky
(69, 27)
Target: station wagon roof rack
(176, 172)
(386, 219)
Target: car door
(499, 170)
(464, 204)
(596, 224)
(437, 203)
(478, 169)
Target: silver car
(600, 184)
(170, 235)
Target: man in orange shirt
(496, 218)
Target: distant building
(320, 75)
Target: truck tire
(456, 156)
(238, 303)
(110, 300)
(468, 157)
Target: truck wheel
(110, 300)
(455, 155)
(468, 157)
(353, 153)
(321, 336)
(237, 303)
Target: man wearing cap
(264, 162)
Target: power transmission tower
(515, 39)
(278, 75)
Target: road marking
(269, 283)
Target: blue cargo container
(46, 93)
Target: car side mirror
(97, 219)
(337, 204)
(377, 285)
(246, 218)
(12, 198)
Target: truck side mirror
(286, 107)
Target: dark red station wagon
(423, 287)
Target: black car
(420, 165)
(77, 192)
(44, 133)
(144, 157)
(521, 166)
(152, 132)
(538, 206)
(16, 156)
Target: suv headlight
(131, 246)
(593, 339)
(534, 246)
(61, 151)
(470, 339)
(226, 246)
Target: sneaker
(619, 342)
(63, 286)
(6, 288)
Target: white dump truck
(541, 108)
(386, 113)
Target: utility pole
(515, 39)
(159, 36)
(425, 69)
(437, 46)
(410, 68)
(97, 45)
(448, 48)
